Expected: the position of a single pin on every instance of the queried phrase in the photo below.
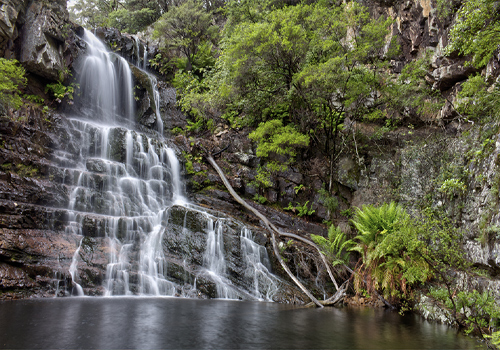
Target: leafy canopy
(476, 31)
(185, 27)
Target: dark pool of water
(147, 323)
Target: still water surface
(172, 323)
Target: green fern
(388, 245)
(337, 247)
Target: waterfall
(156, 96)
(126, 193)
(145, 58)
(106, 87)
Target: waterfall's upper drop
(106, 84)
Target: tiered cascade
(126, 202)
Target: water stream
(126, 189)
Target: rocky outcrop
(40, 35)
(133, 48)
(10, 11)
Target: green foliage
(478, 99)
(337, 247)
(476, 31)
(92, 13)
(348, 213)
(495, 338)
(60, 91)
(443, 7)
(301, 210)
(35, 99)
(330, 202)
(391, 250)
(298, 188)
(11, 80)
(453, 187)
(410, 94)
(132, 21)
(478, 311)
(191, 87)
(126, 15)
(260, 199)
(184, 28)
(275, 140)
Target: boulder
(43, 43)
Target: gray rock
(43, 44)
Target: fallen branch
(336, 298)
(268, 225)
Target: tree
(279, 144)
(321, 63)
(185, 27)
(11, 79)
(476, 31)
(93, 13)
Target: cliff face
(405, 164)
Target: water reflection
(147, 323)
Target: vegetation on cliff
(302, 76)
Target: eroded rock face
(10, 10)
(43, 43)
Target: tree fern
(388, 245)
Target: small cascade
(156, 93)
(137, 51)
(74, 272)
(126, 203)
(145, 58)
(258, 267)
(214, 259)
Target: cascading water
(106, 86)
(145, 58)
(125, 187)
(156, 96)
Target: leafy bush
(274, 139)
(453, 187)
(390, 249)
(60, 91)
(11, 80)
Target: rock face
(43, 40)
(10, 10)
(131, 47)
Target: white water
(124, 184)
(73, 271)
(105, 82)
(156, 93)
(145, 58)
